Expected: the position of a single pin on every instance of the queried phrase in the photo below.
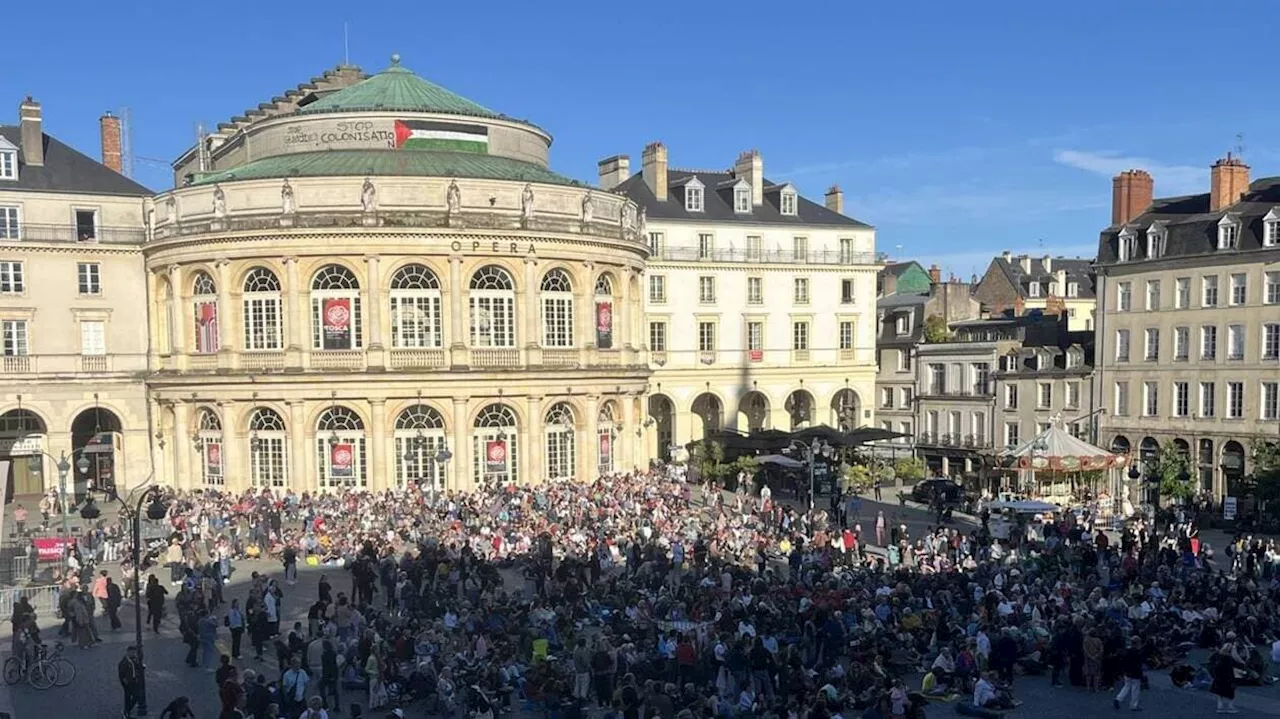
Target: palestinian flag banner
(447, 136)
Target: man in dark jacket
(130, 672)
(1131, 666)
(329, 675)
(112, 605)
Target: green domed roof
(345, 163)
(398, 89)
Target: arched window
(604, 312)
(558, 428)
(415, 308)
(335, 309)
(209, 442)
(263, 326)
(204, 300)
(557, 309)
(493, 308)
(268, 458)
(606, 437)
(419, 435)
(494, 457)
(340, 449)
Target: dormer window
(742, 198)
(1271, 228)
(1128, 245)
(693, 196)
(1039, 361)
(1073, 359)
(1157, 238)
(787, 202)
(1229, 233)
(8, 160)
(1073, 289)
(903, 324)
(1033, 289)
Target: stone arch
(800, 406)
(708, 409)
(661, 415)
(846, 410)
(753, 412)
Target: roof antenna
(1240, 145)
(346, 47)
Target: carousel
(1057, 467)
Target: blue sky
(957, 129)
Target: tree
(707, 457)
(909, 470)
(1172, 469)
(1265, 477)
(857, 478)
(935, 329)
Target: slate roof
(887, 310)
(898, 268)
(717, 203)
(1078, 270)
(66, 169)
(379, 162)
(1192, 229)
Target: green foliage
(1266, 473)
(909, 470)
(857, 478)
(935, 329)
(707, 457)
(1173, 470)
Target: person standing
(130, 672)
(1131, 666)
(207, 627)
(1222, 667)
(111, 605)
(236, 623)
(290, 565)
(20, 520)
(875, 486)
(155, 595)
(880, 526)
(293, 687)
(330, 665)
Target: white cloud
(1169, 179)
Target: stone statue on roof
(286, 198)
(526, 203)
(453, 197)
(368, 196)
(588, 208)
(219, 202)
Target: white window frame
(93, 338)
(1181, 293)
(355, 329)
(1236, 342)
(755, 290)
(1238, 289)
(1044, 395)
(787, 203)
(902, 324)
(268, 449)
(12, 277)
(1012, 434)
(1271, 237)
(800, 248)
(706, 289)
(16, 338)
(1270, 342)
(8, 164)
(1151, 344)
(741, 199)
(1073, 289)
(1209, 343)
(657, 243)
(658, 336)
(755, 336)
(1033, 288)
(1235, 400)
(97, 221)
(1208, 400)
(1271, 288)
(88, 279)
(1072, 400)
(1124, 296)
(1120, 408)
(1269, 400)
(1156, 242)
(1228, 233)
(706, 336)
(1181, 399)
(416, 313)
(693, 197)
(10, 222)
(1150, 399)
(755, 248)
(706, 245)
(1181, 344)
(800, 290)
(1153, 295)
(800, 335)
(1127, 246)
(500, 306)
(847, 335)
(1209, 291)
(851, 296)
(263, 314)
(657, 289)
(1124, 345)
(557, 312)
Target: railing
(693, 253)
(416, 359)
(560, 358)
(93, 363)
(43, 599)
(262, 361)
(18, 364)
(490, 357)
(707, 357)
(32, 232)
(848, 355)
(347, 360)
(204, 362)
(799, 355)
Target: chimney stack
(1228, 181)
(614, 171)
(835, 199)
(110, 126)
(654, 169)
(1131, 194)
(935, 274)
(1061, 277)
(1048, 264)
(31, 132)
(750, 167)
(1025, 261)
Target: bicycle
(42, 671)
(65, 670)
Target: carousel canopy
(1055, 448)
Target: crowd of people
(639, 595)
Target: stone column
(624, 314)
(627, 436)
(159, 464)
(228, 315)
(157, 327)
(182, 449)
(295, 317)
(584, 315)
(458, 339)
(235, 470)
(379, 457)
(534, 451)
(461, 469)
(177, 318)
(373, 299)
(591, 448)
(530, 313)
(299, 450)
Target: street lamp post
(63, 464)
(810, 453)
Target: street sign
(25, 446)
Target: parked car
(926, 490)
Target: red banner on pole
(51, 549)
(213, 458)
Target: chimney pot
(750, 167)
(31, 132)
(935, 274)
(1048, 263)
(1006, 255)
(109, 125)
(614, 171)
(1131, 194)
(1025, 261)
(654, 169)
(835, 199)
(1228, 182)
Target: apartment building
(1188, 329)
(1019, 284)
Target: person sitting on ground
(987, 696)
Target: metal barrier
(43, 599)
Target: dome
(398, 89)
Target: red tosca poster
(206, 327)
(213, 458)
(336, 323)
(606, 444)
(495, 456)
(340, 458)
(604, 325)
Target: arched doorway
(268, 449)
(799, 407)
(1204, 462)
(1120, 445)
(95, 434)
(707, 408)
(607, 428)
(753, 412)
(1233, 467)
(494, 435)
(419, 438)
(22, 438)
(1147, 451)
(662, 416)
(846, 410)
(209, 442)
(340, 449)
